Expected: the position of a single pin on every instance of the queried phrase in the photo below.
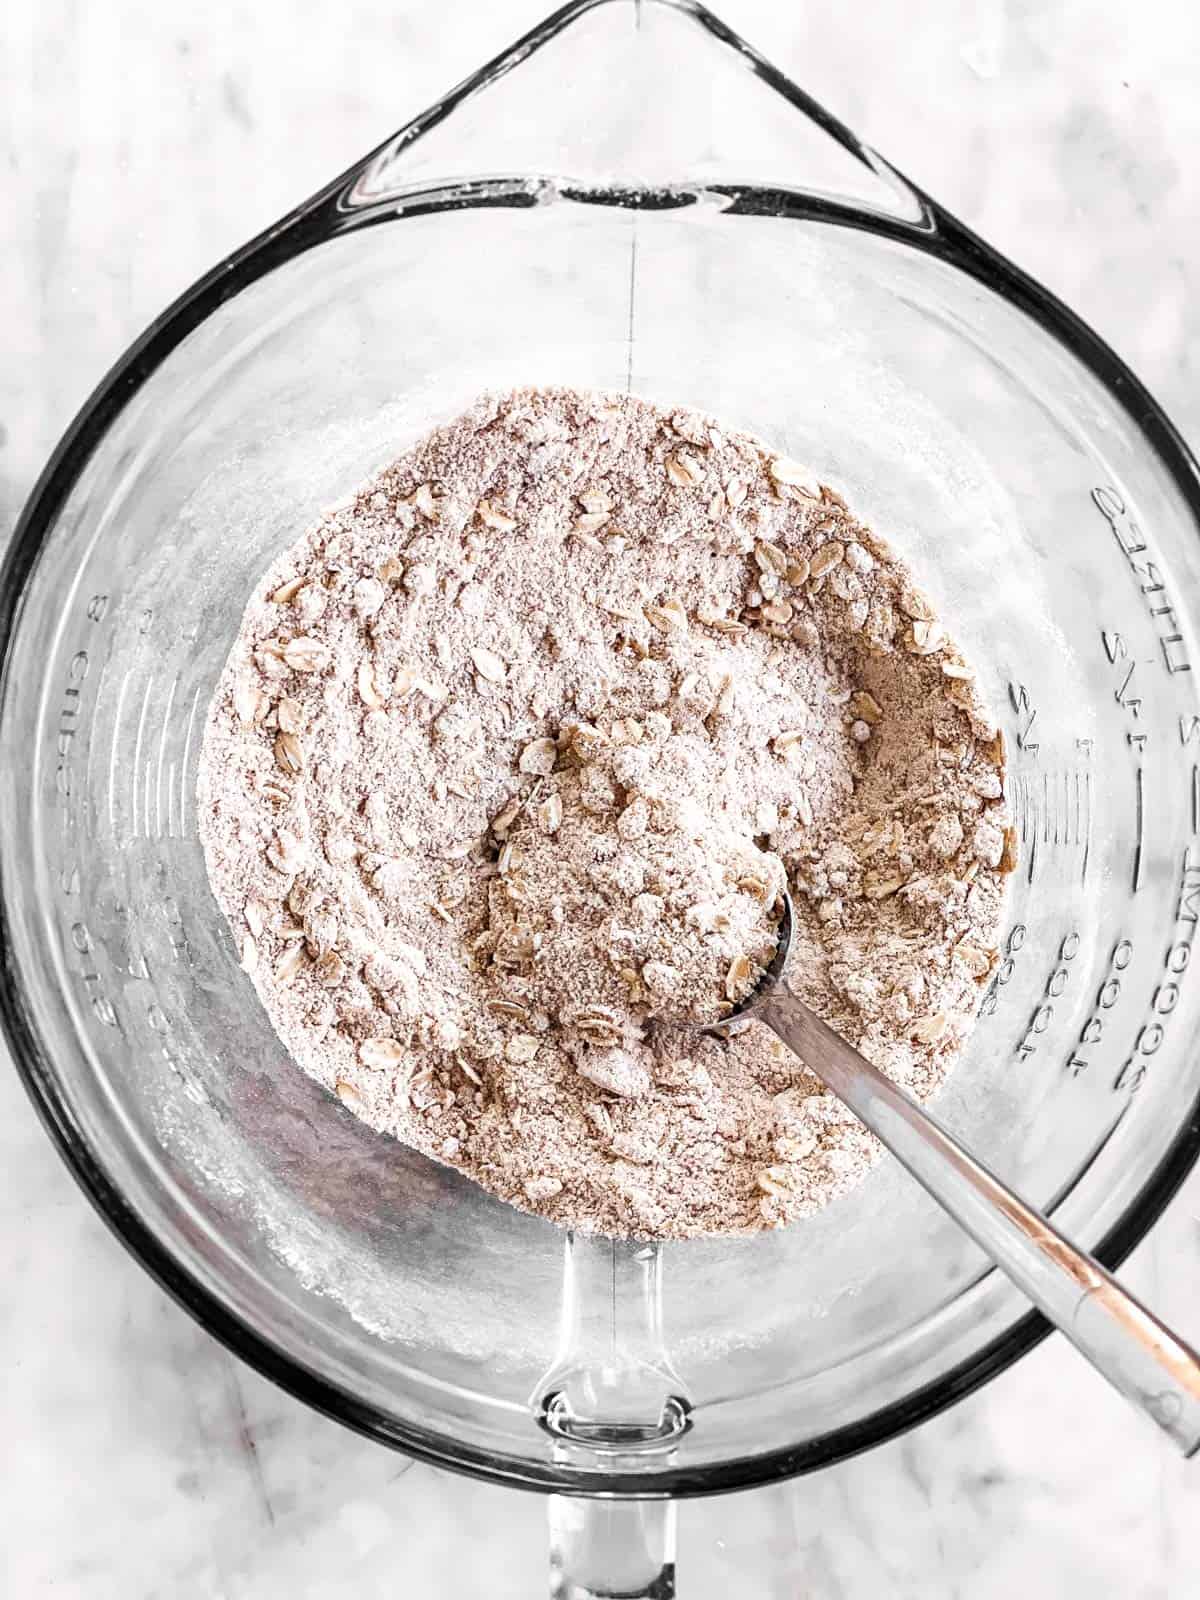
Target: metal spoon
(1153, 1368)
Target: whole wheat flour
(505, 770)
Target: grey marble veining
(139, 142)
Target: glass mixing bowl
(691, 225)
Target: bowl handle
(600, 1549)
(616, 1409)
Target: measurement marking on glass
(162, 758)
(1058, 812)
(137, 754)
(1025, 802)
(1087, 837)
(183, 766)
(1077, 811)
(1140, 820)
(112, 754)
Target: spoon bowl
(768, 979)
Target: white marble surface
(141, 139)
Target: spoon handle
(1153, 1368)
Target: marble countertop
(139, 142)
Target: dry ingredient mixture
(503, 776)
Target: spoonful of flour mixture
(645, 908)
(506, 771)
